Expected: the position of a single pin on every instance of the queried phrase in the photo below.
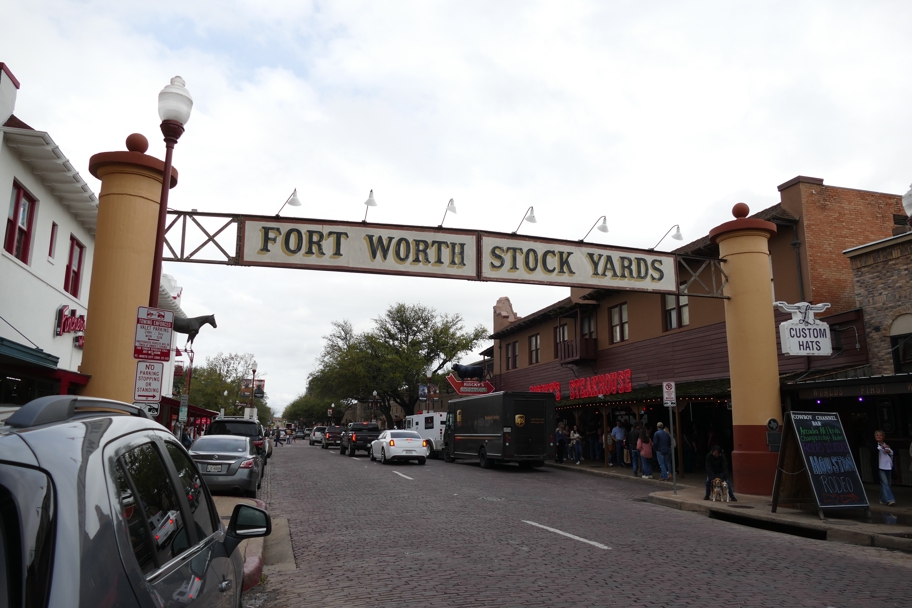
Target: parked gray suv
(101, 506)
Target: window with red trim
(18, 236)
(52, 247)
(74, 267)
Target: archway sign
(432, 252)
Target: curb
(829, 533)
(601, 472)
(253, 558)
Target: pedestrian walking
(632, 437)
(576, 445)
(661, 443)
(619, 433)
(883, 456)
(717, 466)
(561, 440)
(644, 447)
(592, 436)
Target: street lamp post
(174, 105)
(253, 383)
(332, 413)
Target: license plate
(410, 451)
(213, 468)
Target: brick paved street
(454, 535)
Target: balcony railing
(577, 350)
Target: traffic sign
(151, 408)
(669, 397)
(153, 334)
(148, 385)
(182, 414)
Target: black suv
(238, 425)
(101, 506)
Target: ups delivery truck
(501, 427)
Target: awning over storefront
(13, 353)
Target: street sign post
(670, 400)
(153, 334)
(148, 385)
(185, 402)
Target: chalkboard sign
(815, 463)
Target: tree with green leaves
(217, 384)
(407, 344)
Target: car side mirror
(246, 522)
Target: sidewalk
(889, 527)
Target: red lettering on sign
(68, 322)
(602, 384)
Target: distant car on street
(300, 434)
(316, 436)
(307, 432)
(332, 436)
(399, 445)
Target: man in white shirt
(884, 468)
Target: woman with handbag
(644, 446)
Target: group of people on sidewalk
(637, 448)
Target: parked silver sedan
(228, 463)
(399, 445)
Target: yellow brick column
(751, 333)
(131, 184)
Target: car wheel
(383, 459)
(351, 450)
(311, 443)
(372, 455)
(447, 457)
(323, 447)
(341, 450)
(483, 460)
(422, 460)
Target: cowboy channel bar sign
(153, 334)
(454, 254)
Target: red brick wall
(835, 219)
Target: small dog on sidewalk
(719, 490)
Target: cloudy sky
(652, 113)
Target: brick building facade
(659, 337)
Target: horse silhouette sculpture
(469, 372)
(192, 326)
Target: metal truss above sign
(247, 240)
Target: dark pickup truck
(331, 436)
(358, 436)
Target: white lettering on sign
(153, 334)
(366, 248)
(531, 261)
(148, 386)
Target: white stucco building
(45, 262)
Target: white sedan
(399, 445)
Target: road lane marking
(401, 475)
(355, 458)
(567, 534)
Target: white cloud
(654, 114)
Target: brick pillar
(122, 270)
(751, 334)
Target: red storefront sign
(603, 384)
(67, 321)
(470, 387)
